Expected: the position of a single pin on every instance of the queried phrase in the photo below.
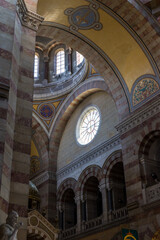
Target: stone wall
(70, 149)
(17, 55)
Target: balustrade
(91, 223)
(68, 233)
(113, 215)
(118, 214)
(153, 193)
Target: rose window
(88, 125)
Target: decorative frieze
(88, 157)
(28, 18)
(45, 176)
(139, 117)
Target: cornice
(28, 19)
(139, 117)
(95, 152)
(43, 177)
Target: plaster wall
(69, 149)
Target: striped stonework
(69, 183)
(16, 56)
(42, 141)
(91, 171)
(114, 158)
(95, 59)
(132, 146)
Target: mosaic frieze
(144, 89)
(84, 17)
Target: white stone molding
(28, 19)
(139, 117)
(45, 176)
(88, 157)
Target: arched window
(36, 66)
(60, 62)
(79, 58)
(92, 207)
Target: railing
(153, 193)
(42, 224)
(91, 223)
(114, 215)
(118, 214)
(68, 233)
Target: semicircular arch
(72, 101)
(114, 158)
(69, 183)
(90, 171)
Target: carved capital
(28, 19)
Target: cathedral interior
(80, 118)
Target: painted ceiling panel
(113, 39)
(34, 151)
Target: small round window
(88, 125)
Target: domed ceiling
(107, 32)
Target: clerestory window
(60, 62)
(36, 66)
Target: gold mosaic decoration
(35, 164)
(156, 235)
(144, 89)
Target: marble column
(46, 68)
(79, 218)
(102, 187)
(17, 64)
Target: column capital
(60, 206)
(142, 160)
(46, 59)
(28, 19)
(77, 197)
(102, 184)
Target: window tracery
(88, 125)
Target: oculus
(88, 125)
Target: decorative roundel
(88, 125)
(84, 17)
(46, 110)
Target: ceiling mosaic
(143, 90)
(45, 111)
(84, 17)
(114, 40)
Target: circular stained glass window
(88, 125)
